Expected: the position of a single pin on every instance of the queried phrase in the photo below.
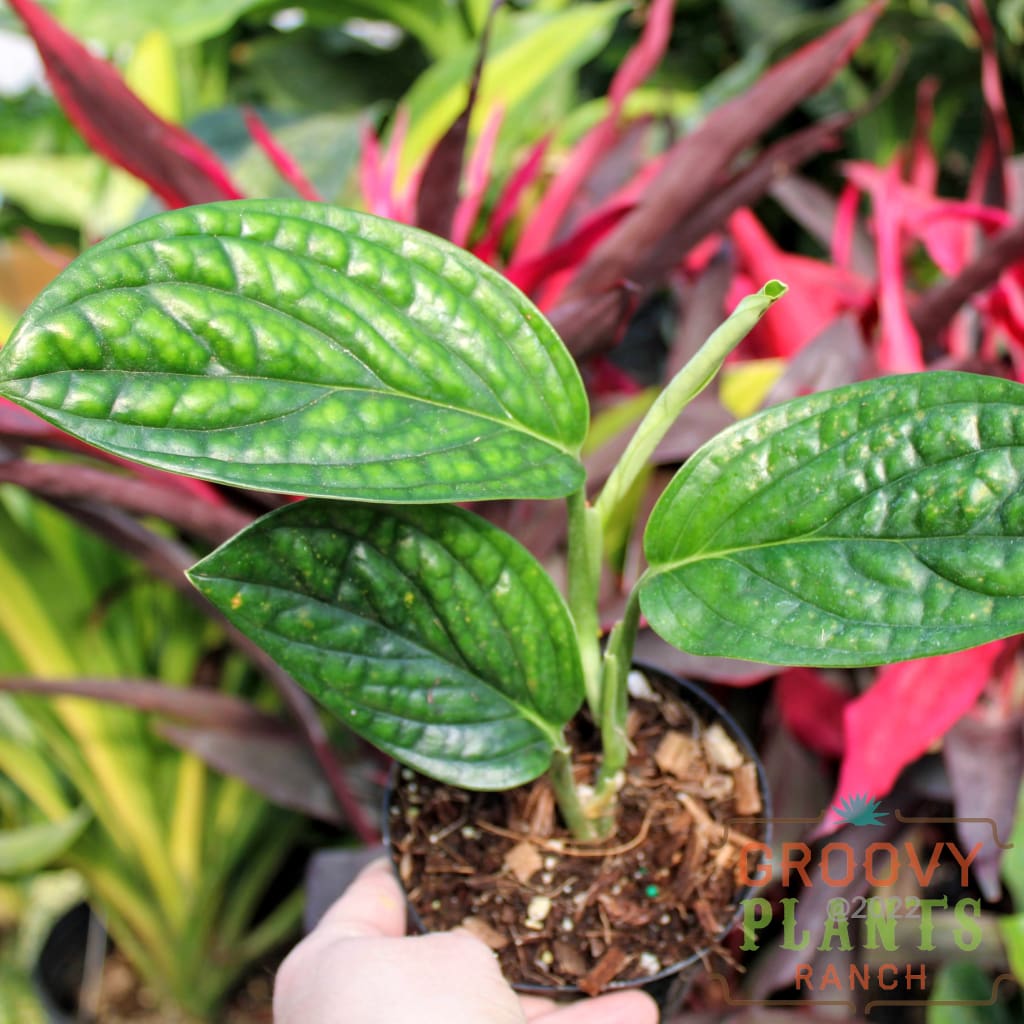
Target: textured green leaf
(430, 632)
(32, 847)
(298, 347)
(875, 523)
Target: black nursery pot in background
(670, 983)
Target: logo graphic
(858, 809)
(859, 910)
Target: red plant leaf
(437, 196)
(820, 292)
(528, 275)
(638, 64)
(824, 216)
(899, 345)
(992, 90)
(375, 190)
(812, 709)
(909, 707)
(378, 173)
(937, 307)
(696, 166)
(606, 380)
(118, 125)
(508, 201)
(922, 165)
(282, 160)
(478, 175)
(845, 226)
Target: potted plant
(296, 347)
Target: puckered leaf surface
(297, 347)
(430, 632)
(876, 523)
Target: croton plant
(391, 377)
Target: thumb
(372, 906)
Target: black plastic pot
(670, 986)
(69, 965)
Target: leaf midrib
(659, 568)
(898, 627)
(328, 389)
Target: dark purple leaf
(815, 209)
(837, 356)
(700, 421)
(547, 219)
(652, 649)
(280, 767)
(984, 758)
(701, 305)
(168, 560)
(699, 164)
(937, 307)
(199, 707)
(213, 522)
(776, 967)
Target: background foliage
(634, 168)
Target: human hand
(356, 967)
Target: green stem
(681, 390)
(584, 568)
(615, 704)
(568, 796)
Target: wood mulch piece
(561, 913)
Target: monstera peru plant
(389, 376)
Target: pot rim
(709, 710)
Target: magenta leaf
(820, 292)
(282, 160)
(478, 174)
